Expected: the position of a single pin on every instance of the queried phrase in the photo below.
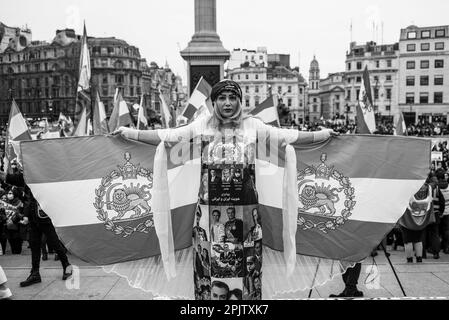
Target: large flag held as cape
(83, 99)
(267, 112)
(346, 202)
(199, 99)
(165, 111)
(366, 122)
(401, 128)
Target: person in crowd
(205, 261)
(432, 231)
(418, 215)
(14, 216)
(198, 232)
(443, 186)
(3, 232)
(249, 286)
(39, 224)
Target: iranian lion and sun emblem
(326, 197)
(123, 199)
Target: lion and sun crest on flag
(123, 199)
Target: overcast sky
(300, 28)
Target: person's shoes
(418, 259)
(67, 273)
(56, 257)
(373, 253)
(44, 257)
(340, 295)
(387, 254)
(446, 250)
(409, 260)
(354, 293)
(33, 278)
(436, 256)
(5, 294)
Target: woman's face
(227, 104)
(10, 195)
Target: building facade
(258, 82)
(332, 96)
(239, 56)
(424, 74)
(42, 77)
(313, 112)
(383, 65)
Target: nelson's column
(205, 54)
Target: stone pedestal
(205, 54)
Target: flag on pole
(198, 98)
(142, 120)
(401, 129)
(165, 111)
(100, 124)
(83, 99)
(17, 131)
(361, 199)
(366, 120)
(267, 112)
(120, 116)
(82, 127)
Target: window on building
(358, 79)
(105, 78)
(438, 97)
(279, 89)
(376, 78)
(46, 81)
(359, 65)
(410, 64)
(425, 34)
(388, 108)
(389, 63)
(246, 89)
(314, 100)
(19, 69)
(257, 77)
(410, 98)
(289, 89)
(388, 78)
(424, 97)
(247, 102)
(411, 47)
(238, 76)
(438, 80)
(300, 90)
(260, 57)
(439, 63)
(357, 94)
(246, 76)
(424, 81)
(246, 58)
(425, 46)
(110, 50)
(55, 53)
(388, 92)
(376, 93)
(256, 100)
(131, 91)
(377, 63)
(349, 66)
(256, 89)
(411, 35)
(315, 108)
(440, 33)
(425, 64)
(439, 45)
(37, 67)
(289, 102)
(56, 80)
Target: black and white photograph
(227, 260)
(151, 148)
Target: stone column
(205, 16)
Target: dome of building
(314, 64)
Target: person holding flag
(226, 125)
(366, 122)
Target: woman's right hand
(127, 133)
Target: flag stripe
(189, 111)
(204, 88)
(353, 241)
(138, 245)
